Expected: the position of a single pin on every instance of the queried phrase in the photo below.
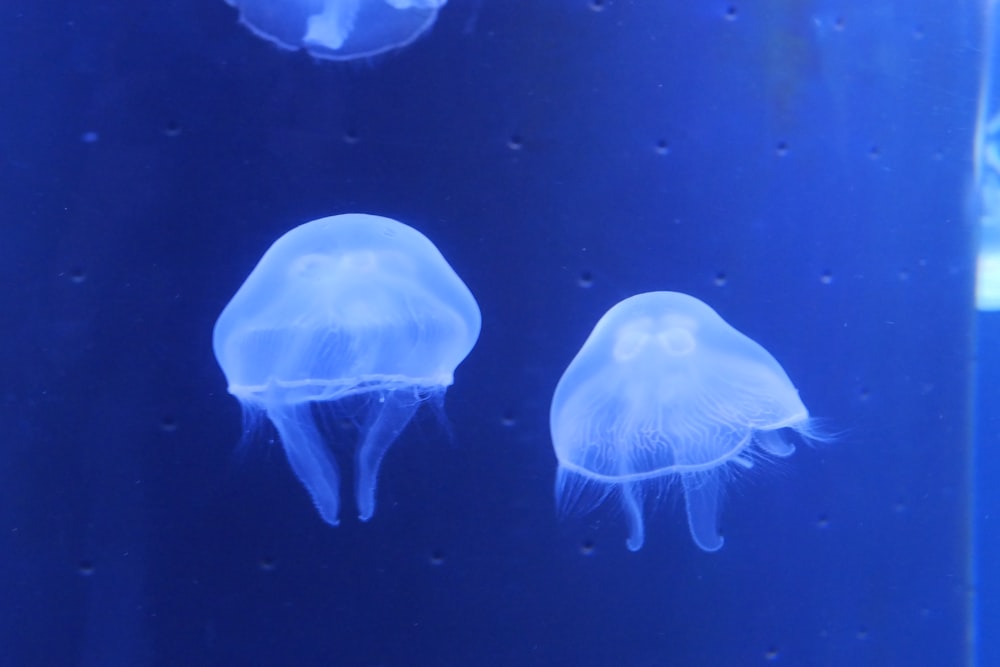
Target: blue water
(805, 169)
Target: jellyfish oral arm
(331, 27)
(631, 501)
(701, 496)
(773, 443)
(310, 459)
(386, 421)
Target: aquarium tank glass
(405, 333)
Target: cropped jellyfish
(665, 390)
(352, 318)
(339, 29)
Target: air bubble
(586, 279)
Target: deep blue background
(987, 503)
(802, 167)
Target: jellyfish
(664, 390)
(348, 318)
(339, 29)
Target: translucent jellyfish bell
(353, 317)
(664, 389)
(339, 29)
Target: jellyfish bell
(665, 390)
(339, 29)
(354, 316)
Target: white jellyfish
(339, 29)
(352, 317)
(664, 389)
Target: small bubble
(508, 419)
(874, 152)
(838, 23)
(662, 147)
(731, 13)
(826, 277)
(436, 558)
(823, 521)
(586, 279)
(515, 143)
(85, 568)
(77, 275)
(771, 653)
(351, 136)
(918, 32)
(587, 548)
(899, 507)
(781, 149)
(903, 275)
(266, 564)
(864, 394)
(168, 424)
(720, 279)
(598, 5)
(89, 137)
(862, 633)
(172, 128)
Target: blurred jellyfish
(664, 389)
(352, 318)
(339, 29)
